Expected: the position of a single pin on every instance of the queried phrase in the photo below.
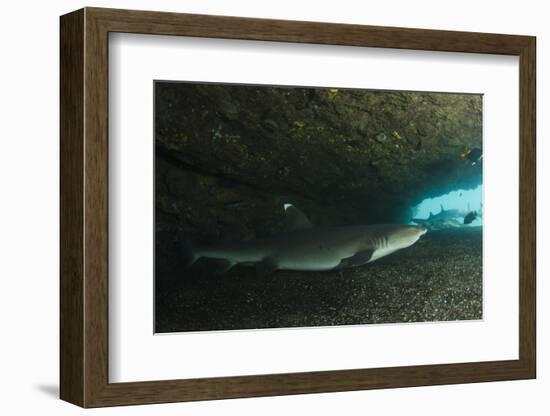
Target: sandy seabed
(437, 279)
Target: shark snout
(416, 230)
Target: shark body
(308, 248)
(446, 218)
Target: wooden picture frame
(84, 207)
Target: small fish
(333, 91)
(468, 219)
(475, 155)
(396, 135)
(466, 152)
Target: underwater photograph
(285, 207)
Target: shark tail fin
(189, 253)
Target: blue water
(453, 200)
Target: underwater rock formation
(229, 156)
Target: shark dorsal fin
(295, 219)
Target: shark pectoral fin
(295, 219)
(221, 266)
(358, 259)
(265, 267)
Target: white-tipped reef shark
(448, 218)
(305, 247)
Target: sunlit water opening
(464, 201)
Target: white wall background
(29, 208)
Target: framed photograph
(254, 207)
